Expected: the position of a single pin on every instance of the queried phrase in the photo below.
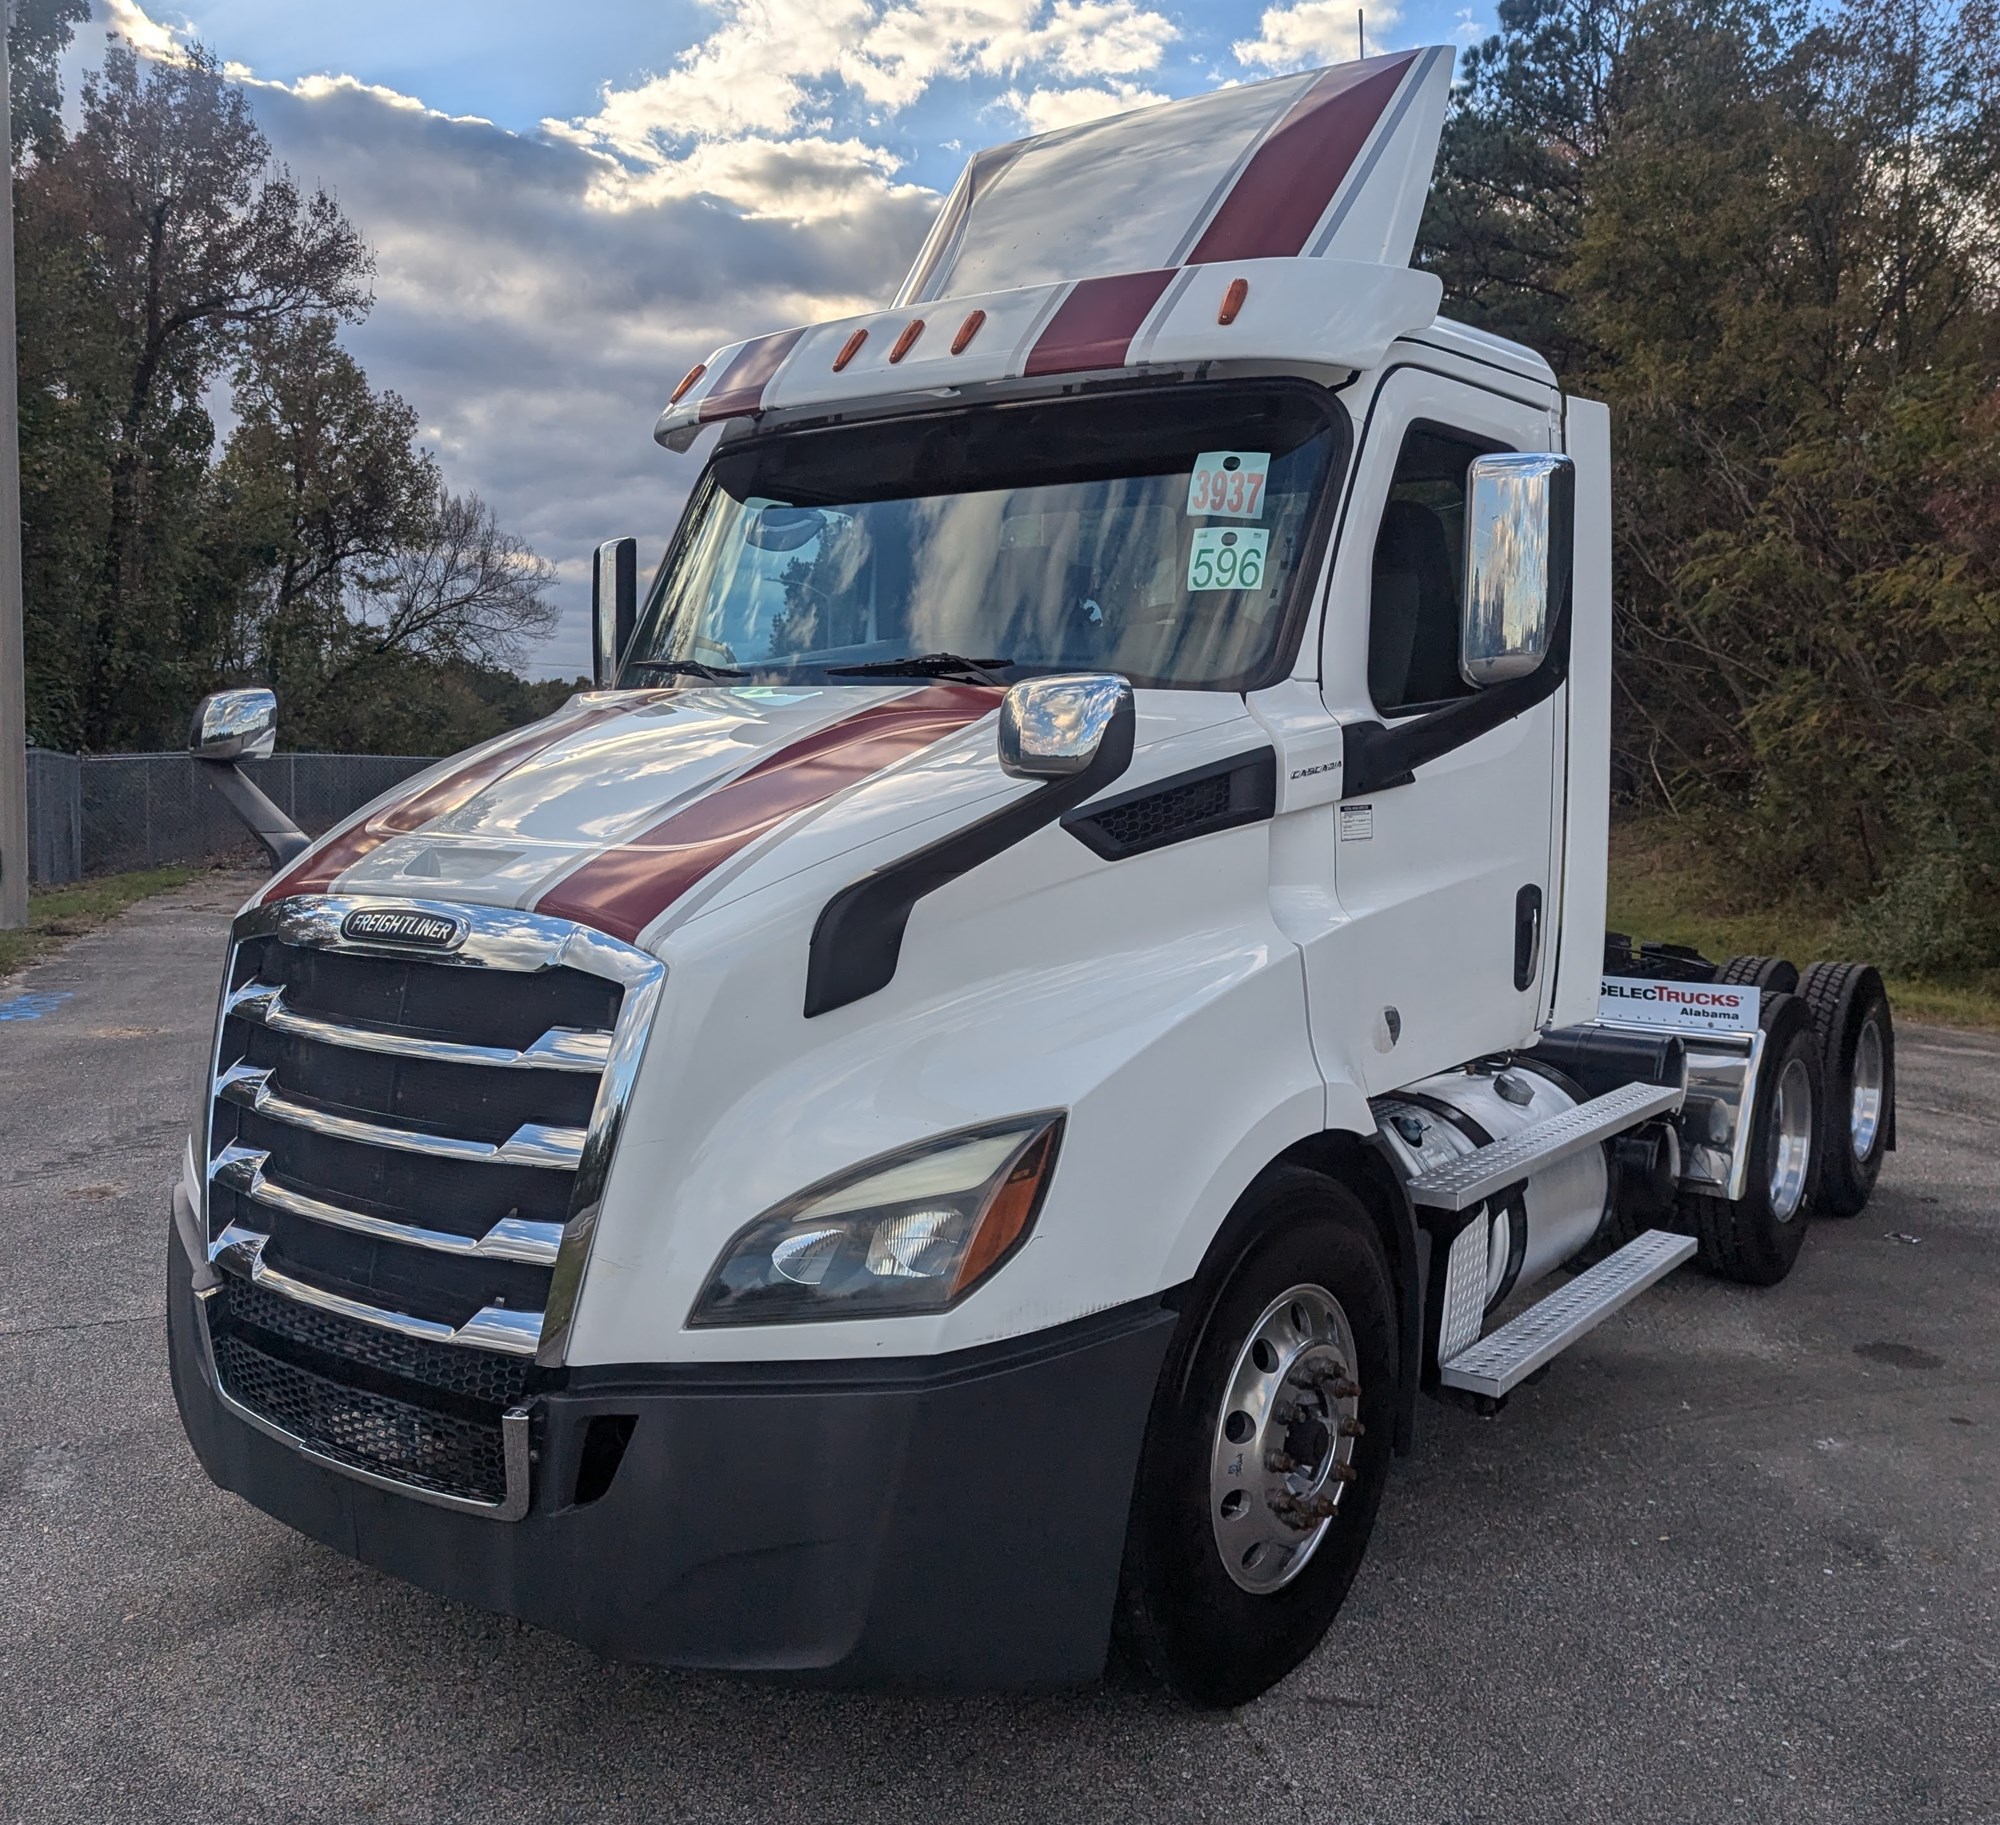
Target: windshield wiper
(926, 665)
(688, 668)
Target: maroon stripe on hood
(1093, 327)
(741, 386)
(626, 888)
(1285, 188)
(317, 871)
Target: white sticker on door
(1227, 557)
(1229, 484)
(1357, 823)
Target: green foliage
(1764, 234)
(161, 256)
(57, 913)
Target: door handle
(1527, 935)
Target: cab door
(1445, 874)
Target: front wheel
(1267, 1447)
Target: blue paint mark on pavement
(32, 1007)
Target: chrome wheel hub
(1791, 1139)
(1284, 1439)
(1864, 1111)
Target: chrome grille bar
(493, 1327)
(241, 1170)
(532, 1144)
(559, 1049)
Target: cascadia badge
(400, 925)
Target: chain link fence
(105, 813)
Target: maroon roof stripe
(1093, 327)
(740, 387)
(626, 888)
(1283, 191)
(316, 872)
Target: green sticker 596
(1227, 557)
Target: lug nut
(1344, 1390)
(1279, 1463)
(1352, 1428)
(1341, 1473)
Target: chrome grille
(407, 1147)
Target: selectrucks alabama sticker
(1684, 1007)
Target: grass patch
(57, 913)
(1666, 886)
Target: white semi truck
(954, 1105)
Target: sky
(571, 204)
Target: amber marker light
(966, 331)
(849, 349)
(1005, 1220)
(907, 340)
(687, 380)
(1232, 300)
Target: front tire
(1268, 1445)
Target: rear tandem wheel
(1756, 1238)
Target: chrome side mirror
(234, 725)
(231, 727)
(614, 606)
(1051, 728)
(1519, 537)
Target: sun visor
(1327, 164)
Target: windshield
(1160, 535)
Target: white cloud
(145, 35)
(1315, 31)
(769, 66)
(1044, 110)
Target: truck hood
(627, 808)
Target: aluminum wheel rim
(1864, 1110)
(1284, 1439)
(1791, 1139)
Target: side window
(1419, 573)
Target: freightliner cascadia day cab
(948, 1112)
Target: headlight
(913, 1231)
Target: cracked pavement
(1732, 1558)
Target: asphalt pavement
(1734, 1557)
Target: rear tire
(1756, 1238)
(1857, 1040)
(1217, 1629)
(1771, 974)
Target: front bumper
(951, 1522)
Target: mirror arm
(1377, 758)
(859, 937)
(282, 839)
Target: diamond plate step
(1461, 1183)
(1519, 1347)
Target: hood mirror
(229, 728)
(1519, 516)
(1052, 728)
(614, 607)
(235, 725)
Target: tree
(161, 239)
(38, 33)
(1765, 235)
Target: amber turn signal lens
(849, 349)
(1232, 300)
(1006, 1219)
(907, 340)
(687, 380)
(966, 331)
